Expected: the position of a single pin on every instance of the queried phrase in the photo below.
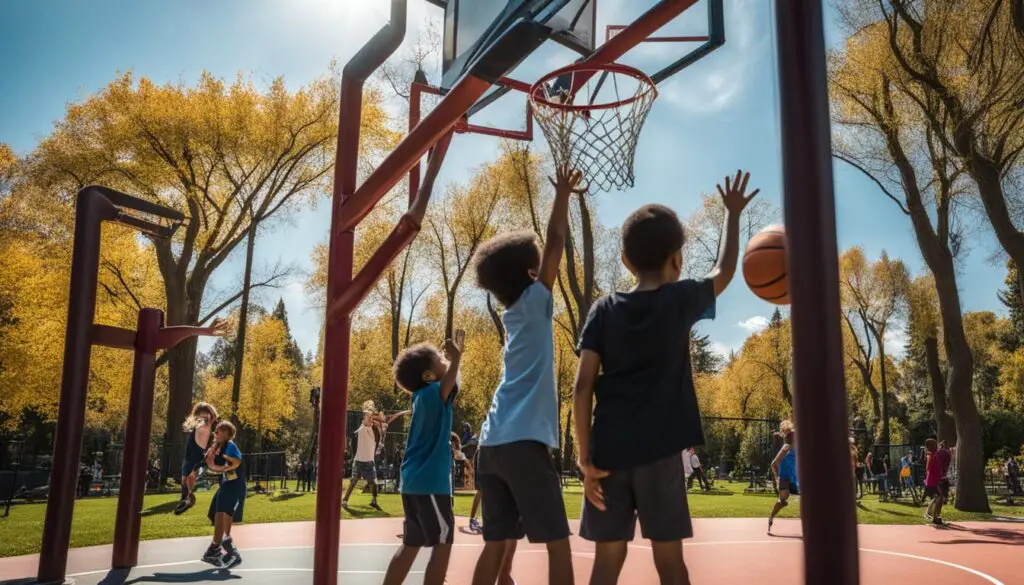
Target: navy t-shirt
(646, 406)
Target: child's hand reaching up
(453, 347)
(733, 196)
(568, 180)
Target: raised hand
(568, 180)
(453, 347)
(219, 327)
(734, 195)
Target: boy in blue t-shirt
(225, 457)
(635, 359)
(427, 468)
(522, 489)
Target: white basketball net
(596, 137)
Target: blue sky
(715, 117)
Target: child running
(522, 489)
(199, 426)
(427, 468)
(635, 359)
(784, 468)
(225, 458)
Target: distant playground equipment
(484, 41)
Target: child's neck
(650, 281)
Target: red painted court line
(724, 551)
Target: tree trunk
(243, 324)
(946, 427)
(182, 309)
(970, 493)
(568, 461)
(884, 391)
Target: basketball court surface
(725, 552)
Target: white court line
(968, 570)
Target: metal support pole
(92, 208)
(128, 522)
(827, 498)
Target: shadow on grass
(164, 508)
(285, 496)
(713, 492)
(892, 512)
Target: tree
(229, 156)
(702, 356)
(8, 160)
(873, 296)
(771, 353)
(881, 132)
(1012, 299)
(923, 350)
(268, 394)
(965, 62)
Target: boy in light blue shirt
(427, 468)
(522, 490)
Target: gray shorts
(655, 493)
(364, 470)
(521, 493)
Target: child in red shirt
(936, 486)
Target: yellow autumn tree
(268, 389)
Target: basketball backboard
(471, 26)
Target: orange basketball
(764, 265)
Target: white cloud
(720, 349)
(753, 324)
(896, 340)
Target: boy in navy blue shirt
(635, 358)
(427, 468)
(226, 508)
(521, 486)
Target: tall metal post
(91, 210)
(826, 480)
(128, 522)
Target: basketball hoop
(596, 138)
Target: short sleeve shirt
(366, 444)
(427, 467)
(231, 450)
(646, 406)
(525, 405)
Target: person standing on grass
(697, 473)
(225, 458)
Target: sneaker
(376, 506)
(344, 504)
(474, 526)
(937, 521)
(231, 560)
(228, 545)
(770, 522)
(212, 556)
(191, 500)
(182, 506)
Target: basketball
(764, 265)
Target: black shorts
(655, 493)
(786, 485)
(522, 493)
(364, 470)
(937, 490)
(191, 464)
(229, 499)
(429, 520)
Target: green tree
(1012, 299)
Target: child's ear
(677, 261)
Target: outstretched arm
(168, 337)
(566, 182)
(392, 418)
(453, 349)
(735, 200)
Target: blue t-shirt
(231, 450)
(427, 467)
(525, 405)
(787, 467)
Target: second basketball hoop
(593, 134)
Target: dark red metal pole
(128, 522)
(91, 209)
(337, 334)
(826, 482)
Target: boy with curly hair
(522, 490)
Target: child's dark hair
(225, 425)
(650, 235)
(931, 444)
(503, 265)
(411, 363)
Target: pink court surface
(724, 552)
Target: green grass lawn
(94, 517)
